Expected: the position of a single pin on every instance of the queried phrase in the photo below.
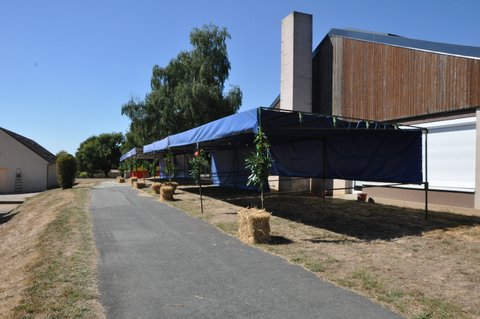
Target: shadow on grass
(5, 217)
(364, 221)
(279, 240)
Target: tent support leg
(426, 174)
(324, 188)
(426, 200)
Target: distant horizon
(67, 68)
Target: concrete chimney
(296, 61)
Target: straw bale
(156, 187)
(166, 193)
(140, 185)
(254, 225)
(133, 180)
(173, 184)
(121, 180)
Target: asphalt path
(157, 262)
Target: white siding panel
(451, 154)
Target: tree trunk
(201, 199)
(261, 197)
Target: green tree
(199, 164)
(66, 169)
(169, 165)
(188, 92)
(100, 153)
(259, 163)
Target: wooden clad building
(385, 77)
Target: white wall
(52, 176)
(451, 154)
(15, 155)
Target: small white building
(25, 166)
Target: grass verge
(62, 277)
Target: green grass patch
(439, 309)
(313, 263)
(63, 279)
(229, 228)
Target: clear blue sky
(66, 67)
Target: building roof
(399, 41)
(32, 145)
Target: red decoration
(197, 153)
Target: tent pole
(235, 154)
(426, 174)
(324, 190)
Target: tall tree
(100, 153)
(188, 92)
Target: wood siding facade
(360, 79)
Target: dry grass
(48, 258)
(418, 268)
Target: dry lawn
(418, 268)
(47, 258)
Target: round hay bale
(254, 226)
(156, 187)
(166, 193)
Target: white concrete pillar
(296, 62)
(296, 80)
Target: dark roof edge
(32, 145)
(277, 99)
(394, 40)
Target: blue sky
(66, 67)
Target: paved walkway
(157, 262)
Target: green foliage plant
(199, 164)
(259, 163)
(152, 167)
(169, 167)
(189, 91)
(66, 169)
(100, 153)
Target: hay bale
(254, 225)
(172, 184)
(156, 187)
(140, 185)
(166, 193)
(133, 180)
(121, 180)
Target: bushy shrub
(83, 175)
(66, 169)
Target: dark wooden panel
(322, 79)
(383, 82)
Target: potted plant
(254, 224)
(169, 169)
(198, 163)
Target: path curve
(156, 262)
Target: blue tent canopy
(132, 152)
(136, 152)
(307, 145)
